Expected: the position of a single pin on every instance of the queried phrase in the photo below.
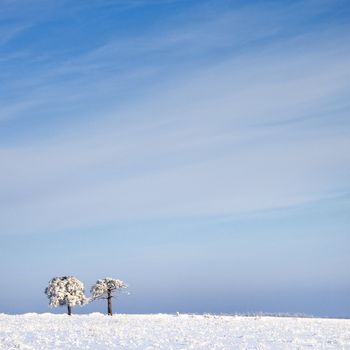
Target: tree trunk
(109, 303)
(69, 310)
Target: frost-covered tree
(66, 290)
(104, 288)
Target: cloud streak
(256, 128)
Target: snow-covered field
(97, 331)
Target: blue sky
(197, 150)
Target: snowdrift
(97, 331)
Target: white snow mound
(146, 332)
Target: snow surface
(96, 331)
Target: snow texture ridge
(145, 332)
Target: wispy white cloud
(7, 33)
(257, 129)
(205, 35)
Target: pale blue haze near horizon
(198, 150)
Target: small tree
(66, 290)
(104, 288)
